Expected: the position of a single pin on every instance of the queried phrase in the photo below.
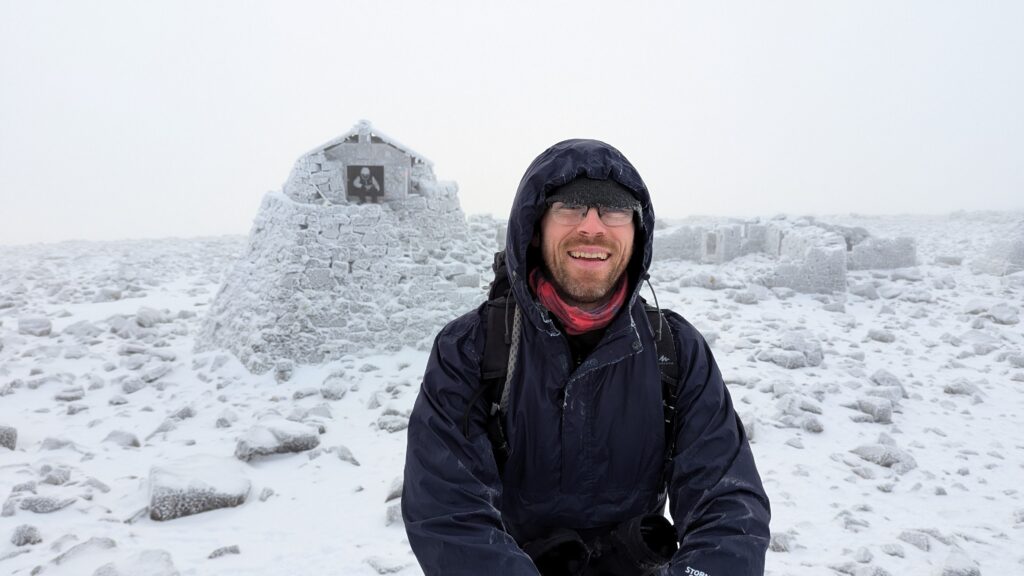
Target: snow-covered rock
(196, 485)
(334, 387)
(881, 335)
(44, 504)
(35, 326)
(90, 546)
(879, 409)
(277, 436)
(25, 535)
(1003, 314)
(149, 317)
(144, 563)
(8, 437)
(886, 456)
(959, 564)
(123, 439)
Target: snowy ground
(887, 422)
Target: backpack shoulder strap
(494, 373)
(668, 366)
(494, 366)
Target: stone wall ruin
(811, 256)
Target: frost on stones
(356, 251)
(8, 437)
(276, 436)
(144, 563)
(200, 484)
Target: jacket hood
(559, 165)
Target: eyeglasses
(573, 214)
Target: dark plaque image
(366, 184)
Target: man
(366, 186)
(590, 464)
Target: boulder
(880, 409)
(917, 539)
(144, 563)
(277, 436)
(798, 341)
(44, 504)
(107, 295)
(149, 317)
(224, 551)
(959, 564)
(35, 326)
(1003, 314)
(26, 535)
(961, 387)
(90, 546)
(865, 290)
(196, 485)
(156, 372)
(881, 335)
(886, 456)
(8, 437)
(334, 387)
(123, 439)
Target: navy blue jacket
(587, 444)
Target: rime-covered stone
(144, 563)
(961, 387)
(224, 551)
(149, 317)
(334, 387)
(196, 485)
(277, 436)
(94, 544)
(8, 437)
(959, 564)
(44, 504)
(35, 326)
(395, 491)
(26, 535)
(780, 542)
(881, 335)
(892, 457)
(879, 409)
(123, 439)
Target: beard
(584, 288)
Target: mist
(144, 120)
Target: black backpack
(500, 310)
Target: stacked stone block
(722, 244)
(321, 281)
(686, 242)
(812, 260)
(755, 238)
(812, 256)
(1005, 256)
(883, 253)
(313, 179)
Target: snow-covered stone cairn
(363, 249)
(808, 256)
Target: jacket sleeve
(717, 502)
(452, 492)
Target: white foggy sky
(150, 119)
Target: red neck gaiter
(576, 320)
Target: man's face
(585, 260)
